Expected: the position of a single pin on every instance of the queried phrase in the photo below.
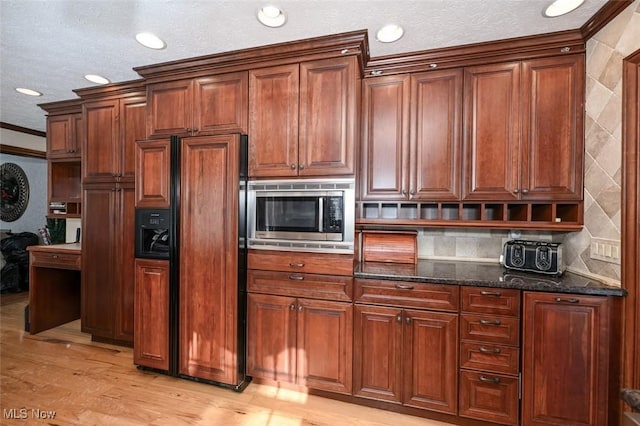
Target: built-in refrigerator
(191, 258)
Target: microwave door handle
(320, 214)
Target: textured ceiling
(50, 45)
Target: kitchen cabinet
(412, 136)
(297, 303)
(64, 136)
(523, 135)
(200, 106)
(108, 262)
(151, 337)
(303, 118)
(489, 354)
(571, 345)
(405, 350)
(153, 161)
(208, 311)
(111, 128)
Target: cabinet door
(151, 338)
(553, 139)
(208, 236)
(273, 121)
(101, 153)
(220, 104)
(153, 167)
(436, 113)
(377, 346)
(60, 134)
(322, 365)
(98, 269)
(329, 95)
(77, 135)
(565, 364)
(124, 257)
(132, 128)
(170, 108)
(431, 360)
(385, 138)
(491, 132)
(271, 337)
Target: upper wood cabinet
(201, 106)
(111, 128)
(64, 136)
(412, 136)
(570, 343)
(523, 130)
(153, 163)
(303, 118)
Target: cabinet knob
(195, 130)
(408, 320)
(293, 166)
(301, 166)
(292, 307)
(300, 308)
(399, 318)
(516, 190)
(55, 256)
(525, 191)
(412, 193)
(404, 192)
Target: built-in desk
(54, 285)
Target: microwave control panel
(334, 215)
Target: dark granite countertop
(631, 397)
(486, 275)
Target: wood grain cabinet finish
(303, 119)
(111, 128)
(153, 159)
(566, 376)
(151, 338)
(208, 295)
(300, 319)
(490, 354)
(201, 106)
(108, 261)
(523, 135)
(412, 136)
(406, 356)
(64, 136)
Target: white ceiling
(50, 45)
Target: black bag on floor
(14, 276)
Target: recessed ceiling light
(94, 78)
(271, 16)
(151, 41)
(389, 33)
(29, 92)
(561, 7)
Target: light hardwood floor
(88, 383)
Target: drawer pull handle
(404, 286)
(490, 322)
(570, 300)
(494, 380)
(55, 256)
(296, 277)
(491, 293)
(296, 265)
(489, 350)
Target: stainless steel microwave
(302, 214)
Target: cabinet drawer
(487, 300)
(290, 261)
(407, 294)
(295, 284)
(55, 260)
(489, 397)
(489, 357)
(490, 328)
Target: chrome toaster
(533, 256)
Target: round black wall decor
(15, 191)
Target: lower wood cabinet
(151, 337)
(108, 261)
(569, 372)
(301, 341)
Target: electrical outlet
(605, 250)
